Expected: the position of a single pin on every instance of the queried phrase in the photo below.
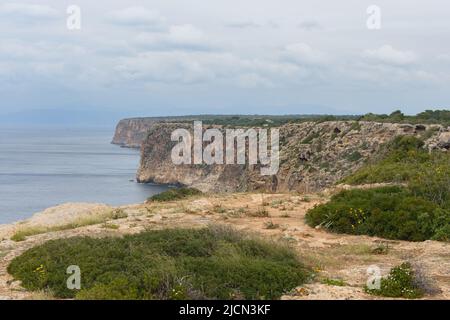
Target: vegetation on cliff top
(418, 211)
(167, 264)
(175, 194)
(426, 117)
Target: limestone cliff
(131, 132)
(312, 156)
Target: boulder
(444, 140)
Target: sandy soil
(332, 256)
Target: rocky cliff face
(131, 132)
(312, 156)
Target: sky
(174, 57)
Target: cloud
(444, 57)
(27, 12)
(310, 25)
(137, 17)
(208, 67)
(178, 37)
(253, 80)
(303, 54)
(165, 67)
(243, 25)
(248, 24)
(389, 56)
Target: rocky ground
(332, 256)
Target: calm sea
(42, 167)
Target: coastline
(340, 256)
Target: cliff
(131, 132)
(313, 156)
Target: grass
(260, 213)
(333, 282)
(209, 263)
(400, 283)
(22, 233)
(218, 208)
(175, 194)
(111, 226)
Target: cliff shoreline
(313, 156)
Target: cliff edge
(313, 156)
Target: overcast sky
(166, 57)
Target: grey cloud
(22, 12)
(137, 17)
(243, 25)
(177, 37)
(310, 25)
(388, 55)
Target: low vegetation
(261, 212)
(210, 263)
(404, 160)
(400, 283)
(23, 232)
(388, 212)
(333, 282)
(427, 117)
(417, 211)
(175, 194)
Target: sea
(41, 167)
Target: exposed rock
(313, 156)
(444, 140)
(131, 132)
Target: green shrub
(205, 263)
(175, 194)
(388, 212)
(400, 283)
(354, 156)
(420, 211)
(404, 160)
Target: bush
(388, 212)
(404, 160)
(175, 194)
(167, 264)
(419, 211)
(400, 283)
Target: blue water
(42, 167)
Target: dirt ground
(280, 217)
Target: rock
(444, 140)
(407, 128)
(312, 157)
(420, 127)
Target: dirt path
(275, 216)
